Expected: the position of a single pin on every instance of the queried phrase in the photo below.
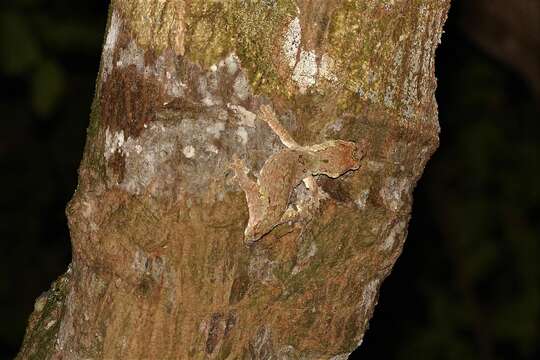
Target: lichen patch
(231, 63)
(242, 135)
(216, 129)
(291, 42)
(245, 117)
(392, 192)
(110, 43)
(113, 142)
(361, 199)
(146, 157)
(304, 63)
(368, 296)
(396, 231)
(327, 68)
(188, 151)
(241, 87)
(305, 71)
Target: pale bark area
(160, 269)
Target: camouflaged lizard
(268, 197)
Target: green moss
(258, 29)
(283, 271)
(45, 323)
(363, 41)
(208, 34)
(249, 28)
(155, 25)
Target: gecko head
(336, 157)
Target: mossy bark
(160, 269)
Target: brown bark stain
(128, 100)
(140, 100)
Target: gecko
(268, 197)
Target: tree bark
(160, 269)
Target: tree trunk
(162, 263)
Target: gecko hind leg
(255, 200)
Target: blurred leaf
(47, 87)
(516, 321)
(20, 50)
(67, 34)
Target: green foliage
(20, 48)
(47, 87)
(34, 45)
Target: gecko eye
(326, 161)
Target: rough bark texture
(160, 269)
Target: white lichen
(245, 117)
(390, 240)
(303, 63)
(162, 69)
(392, 192)
(261, 269)
(242, 134)
(203, 89)
(113, 142)
(305, 71)
(231, 62)
(241, 87)
(50, 324)
(335, 126)
(146, 155)
(327, 66)
(140, 261)
(110, 44)
(367, 299)
(374, 166)
(40, 303)
(132, 55)
(361, 199)
(87, 209)
(216, 129)
(188, 151)
(211, 148)
(291, 43)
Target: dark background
(467, 285)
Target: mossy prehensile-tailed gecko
(268, 197)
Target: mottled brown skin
(268, 197)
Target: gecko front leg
(270, 118)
